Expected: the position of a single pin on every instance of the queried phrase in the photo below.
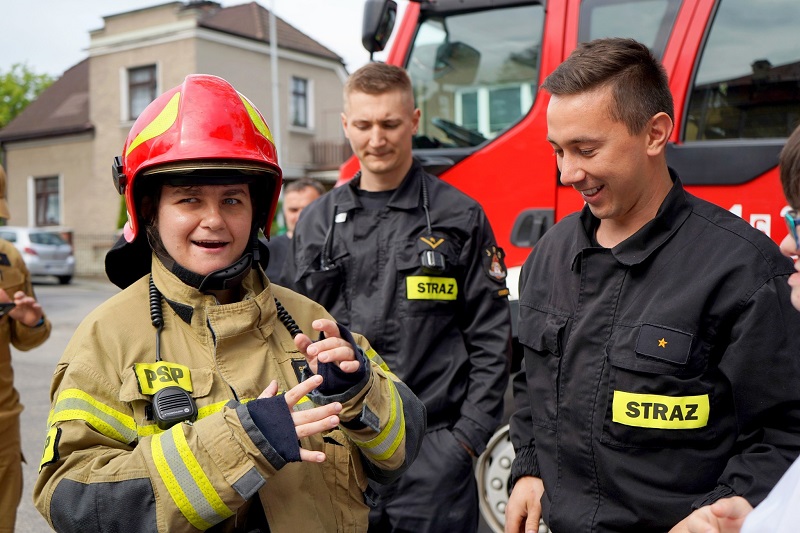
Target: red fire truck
(734, 70)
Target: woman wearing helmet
(195, 399)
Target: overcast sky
(50, 36)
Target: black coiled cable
(156, 317)
(287, 320)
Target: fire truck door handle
(530, 225)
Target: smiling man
(660, 368)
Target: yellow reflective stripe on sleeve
(303, 404)
(210, 409)
(74, 404)
(159, 125)
(385, 444)
(660, 412)
(187, 484)
(378, 360)
(202, 412)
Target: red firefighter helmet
(202, 124)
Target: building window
(142, 89)
(48, 201)
(299, 109)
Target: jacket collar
(406, 196)
(255, 310)
(671, 215)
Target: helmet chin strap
(225, 278)
(229, 277)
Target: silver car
(44, 251)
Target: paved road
(66, 306)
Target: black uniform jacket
(446, 334)
(660, 374)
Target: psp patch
(660, 412)
(494, 263)
(152, 377)
(50, 454)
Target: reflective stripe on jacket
(107, 465)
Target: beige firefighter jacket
(14, 276)
(107, 466)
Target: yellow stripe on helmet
(258, 122)
(159, 125)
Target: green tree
(19, 87)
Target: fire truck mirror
(378, 23)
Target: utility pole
(275, 125)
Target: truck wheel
(493, 472)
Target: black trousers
(437, 494)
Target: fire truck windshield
(469, 84)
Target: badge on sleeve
(493, 263)
(50, 454)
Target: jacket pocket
(11, 280)
(659, 394)
(346, 480)
(542, 337)
(142, 404)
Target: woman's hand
(310, 421)
(331, 349)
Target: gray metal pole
(275, 123)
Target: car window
(10, 236)
(53, 239)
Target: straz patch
(660, 412)
(50, 454)
(431, 288)
(493, 263)
(153, 377)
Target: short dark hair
(302, 183)
(378, 78)
(640, 87)
(789, 162)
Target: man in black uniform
(661, 354)
(413, 263)
(296, 196)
